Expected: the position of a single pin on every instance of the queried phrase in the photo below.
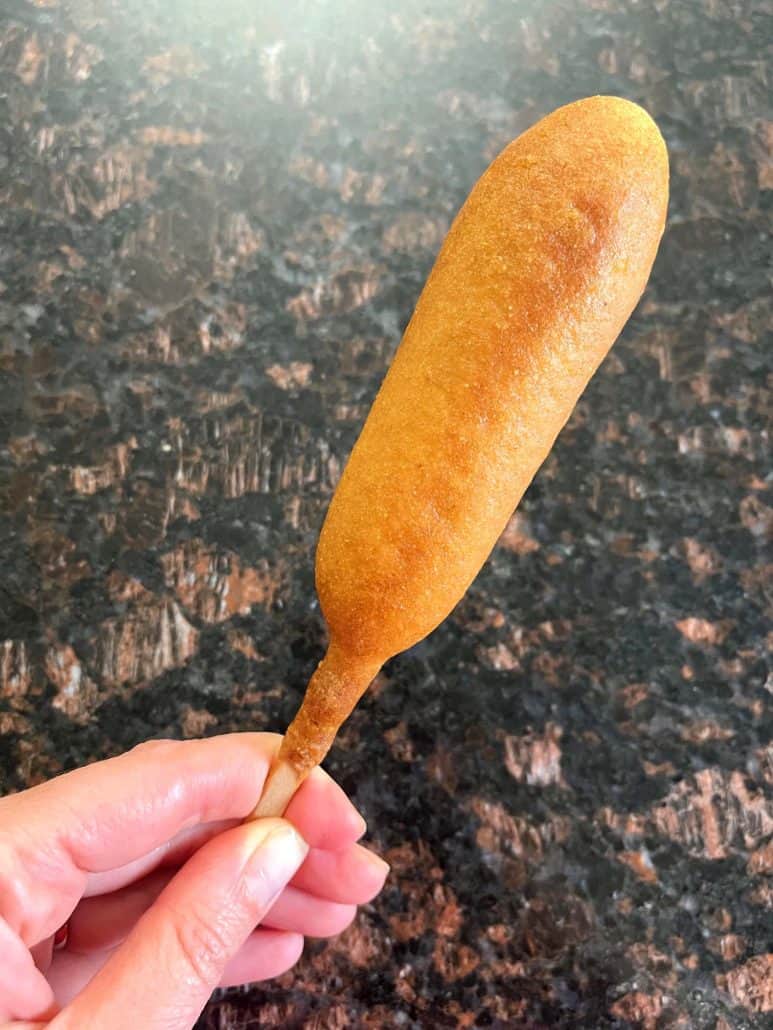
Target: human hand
(161, 886)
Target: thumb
(164, 973)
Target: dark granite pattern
(216, 217)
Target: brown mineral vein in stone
(400, 744)
(79, 403)
(281, 1011)
(427, 903)
(335, 1015)
(66, 51)
(704, 729)
(757, 517)
(223, 331)
(646, 956)
(536, 758)
(243, 644)
(364, 944)
(190, 332)
(764, 758)
(123, 588)
(629, 824)
(477, 620)
(639, 1008)
(30, 60)
(296, 374)
(216, 400)
(101, 185)
(24, 449)
(361, 187)
(750, 985)
(757, 583)
(523, 639)
(449, 916)
(344, 291)
(708, 812)
(702, 386)
(761, 860)
(507, 969)
(453, 960)
(704, 561)
(702, 631)
(170, 136)
(761, 894)
(143, 516)
(35, 765)
(80, 57)
(179, 61)
(500, 933)
(150, 638)
(731, 440)
(76, 694)
(441, 767)
(728, 947)
(263, 454)
(46, 274)
(108, 521)
(658, 768)
(376, 1017)
(413, 230)
(292, 511)
(633, 694)
(501, 833)
(350, 412)
(318, 234)
(499, 657)
(517, 536)
(720, 919)
(55, 555)
(552, 666)
(746, 321)
(91, 479)
(238, 239)
(14, 722)
(15, 669)
(438, 912)
(213, 585)
(195, 721)
(641, 864)
(764, 150)
(306, 168)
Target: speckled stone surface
(215, 218)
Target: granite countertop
(215, 219)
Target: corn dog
(539, 272)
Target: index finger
(55, 837)
(112, 812)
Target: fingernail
(378, 863)
(278, 851)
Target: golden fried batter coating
(537, 276)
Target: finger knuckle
(155, 748)
(201, 944)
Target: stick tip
(281, 785)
